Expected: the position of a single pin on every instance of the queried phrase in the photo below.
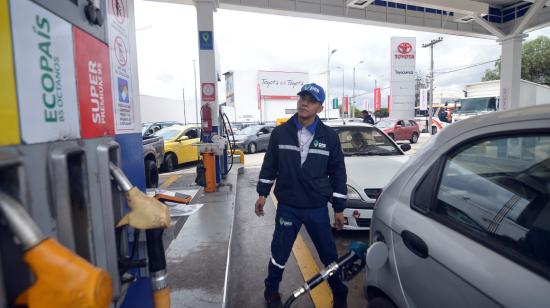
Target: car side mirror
(260, 133)
(405, 147)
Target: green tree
(535, 62)
(492, 74)
(382, 113)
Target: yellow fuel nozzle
(146, 212)
(63, 279)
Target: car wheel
(151, 174)
(170, 162)
(434, 130)
(414, 138)
(380, 302)
(391, 136)
(252, 148)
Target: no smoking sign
(208, 91)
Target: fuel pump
(151, 215)
(63, 279)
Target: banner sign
(45, 74)
(281, 85)
(126, 114)
(423, 99)
(9, 117)
(229, 90)
(94, 86)
(403, 65)
(377, 99)
(345, 101)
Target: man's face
(308, 106)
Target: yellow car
(178, 145)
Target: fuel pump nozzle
(150, 214)
(349, 266)
(63, 279)
(146, 212)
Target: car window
(251, 130)
(364, 140)
(192, 133)
(407, 124)
(413, 123)
(264, 130)
(401, 123)
(169, 132)
(497, 190)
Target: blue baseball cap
(315, 90)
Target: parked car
(371, 159)
(149, 128)
(178, 145)
(400, 129)
(253, 138)
(466, 221)
(153, 156)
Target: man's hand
(338, 220)
(260, 206)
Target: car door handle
(415, 244)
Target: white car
(372, 159)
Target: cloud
(251, 41)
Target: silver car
(466, 222)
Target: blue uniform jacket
(321, 178)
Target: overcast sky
(167, 45)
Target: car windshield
(482, 104)
(363, 141)
(385, 124)
(168, 133)
(251, 130)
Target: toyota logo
(404, 48)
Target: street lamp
(331, 52)
(353, 95)
(343, 83)
(199, 121)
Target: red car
(400, 129)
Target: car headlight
(353, 194)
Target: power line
(466, 67)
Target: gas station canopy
(492, 19)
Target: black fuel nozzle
(349, 265)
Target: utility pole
(343, 84)
(431, 45)
(199, 121)
(184, 113)
(330, 52)
(353, 95)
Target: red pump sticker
(93, 85)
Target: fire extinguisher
(206, 114)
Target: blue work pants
(288, 222)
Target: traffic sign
(208, 91)
(206, 41)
